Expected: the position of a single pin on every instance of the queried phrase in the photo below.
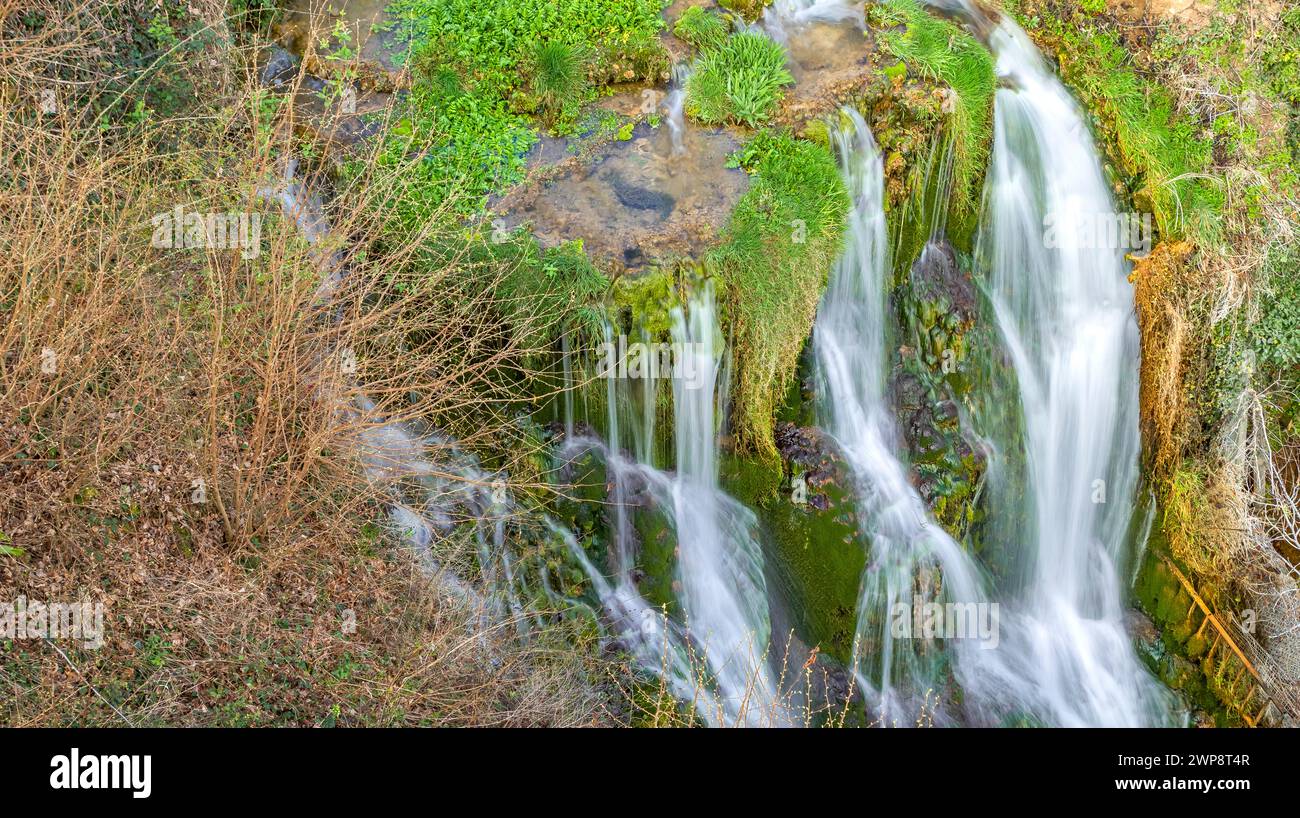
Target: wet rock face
(807, 451)
(938, 308)
(936, 276)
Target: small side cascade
(717, 655)
(675, 106)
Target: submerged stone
(641, 198)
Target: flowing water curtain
(1064, 311)
(715, 656)
(911, 561)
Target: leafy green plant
(489, 39)
(8, 549)
(481, 67)
(741, 81)
(1276, 335)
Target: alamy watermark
(32, 619)
(690, 362)
(1097, 231)
(946, 620)
(75, 771)
(176, 229)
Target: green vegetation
(937, 49)
(491, 39)
(783, 237)
(1275, 337)
(541, 290)
(751, 10)
(1162, 152)
(559, 78)
(482, 68)
(1181, 657)
(739, 80)
(701, 28)
(818, 554)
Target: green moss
(1180, 657)
(751, 10)
(816, 556)
(657, 560)
(739, 81)
(646, 301)
(777, 250)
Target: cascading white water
(1065, 313)
(675, 106)
(719, 577)
(912, 560)
(781, 15)
(720, 564)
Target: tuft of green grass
(784, 235)
(558, 76)
(740, 81)
(701, 28)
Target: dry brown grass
(171, 366)
(1162, 290)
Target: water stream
(912, 561)
(1064, 477)
(717, 656)
(1065, 313)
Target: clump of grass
(739, 81)
(784, 235)
(701, 28)
(558, 78)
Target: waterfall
(781, 14)
(675, 106)
(912, 560)
(720, 564)
(1065, 313)
(719, 576)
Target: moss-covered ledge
(776, 254)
